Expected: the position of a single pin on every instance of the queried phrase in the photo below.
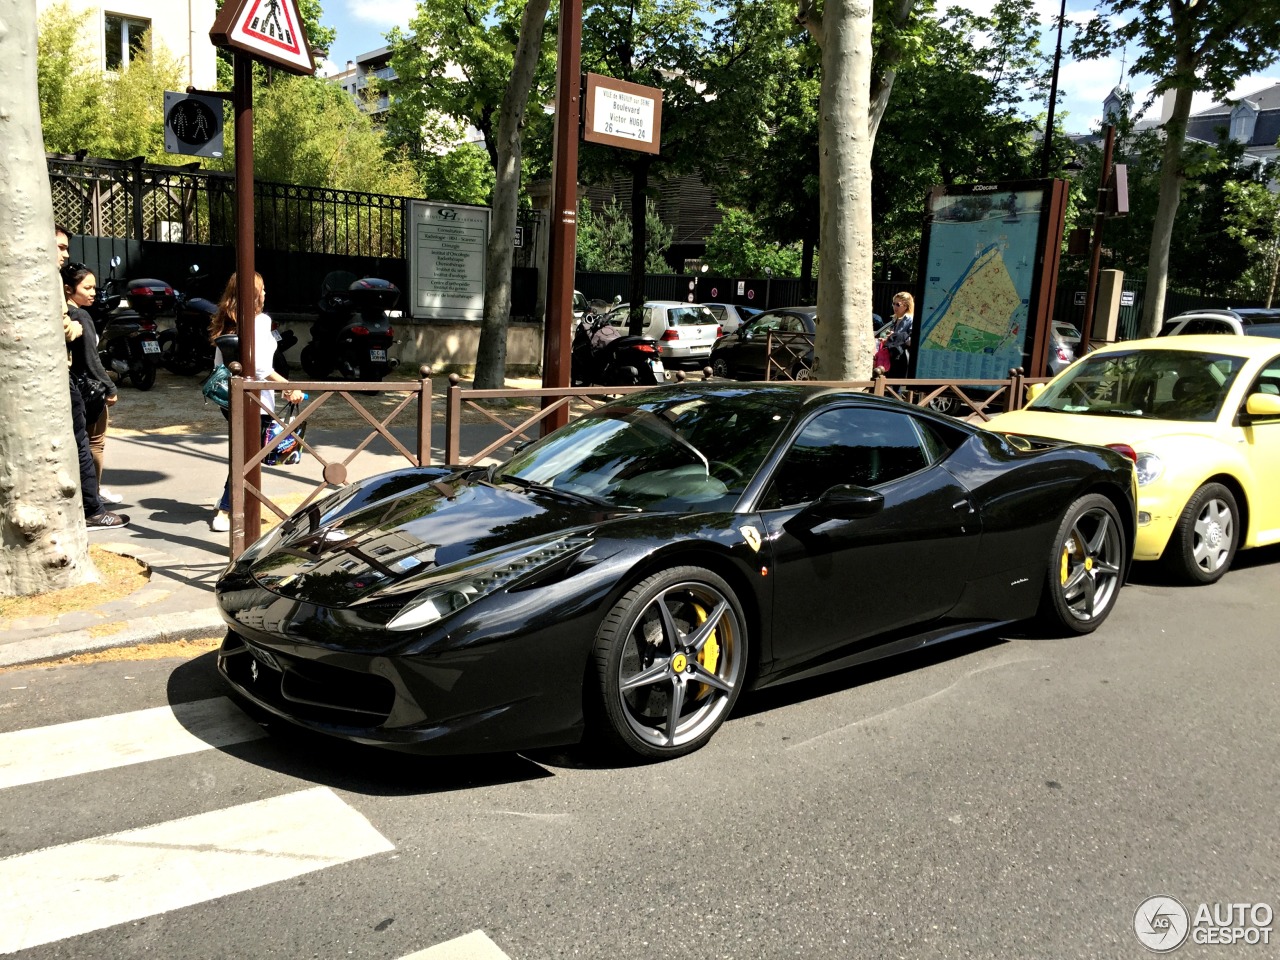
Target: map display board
(981, 263)
(447, 253)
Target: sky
(362, 25)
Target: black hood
(412, 537)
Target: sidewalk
(171, 482)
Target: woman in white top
(264, 347)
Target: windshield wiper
(569, 495)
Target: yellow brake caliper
(709, 656)
(1070, 549)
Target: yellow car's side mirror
(1263, 405)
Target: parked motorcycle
(186, 348)
(353, 331)
(604, 355)
(127, 339)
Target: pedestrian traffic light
(192, 124)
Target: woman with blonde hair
(898, 340)
(226, 322)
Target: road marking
(70, 890)
(104, 743)
(473, 946)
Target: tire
(721, 369)
(168, 341)
(313, 362)
(143, 375)
(801, 371)
(1206, 537)
(1086, 567)
(651, 659)
(946, 403)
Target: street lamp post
(1045, 160)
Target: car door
(843, 582)
(751, 358)
(1261, 440)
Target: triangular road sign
(268, 30)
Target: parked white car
(1249, 321)
(685, 332)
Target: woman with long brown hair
(226, 322)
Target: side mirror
(744, 333)
(847, 502)
(617, 299)
(1265, 405)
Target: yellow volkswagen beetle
(1200, 415)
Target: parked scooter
(353, 331)
(127, 340)
(186, 348)
(604, 355)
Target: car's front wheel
(1205, 539)
(670, 661)
(720, 369)
(1086, 567)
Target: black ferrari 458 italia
(632, 573)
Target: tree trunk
(639, 241)
(42, 530)
(491, 357)
(844, 345)
(1171, 177)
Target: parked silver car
(1249, 321)
(685, 332)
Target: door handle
(965, 505)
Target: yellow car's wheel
(1205, 539)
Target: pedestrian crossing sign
(269, 30)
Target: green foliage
(71, 85)
(118, 115)
(954, 118)
(604, 239)
(309, 131)
(450, 169)
(455, 61)
(1252, 219)
(738, 247)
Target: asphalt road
(1005, 797)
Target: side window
(719, 312)
(849, 445)
(1268, 380)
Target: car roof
(1231, 343)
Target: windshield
(691, 316)
(663, 453)
(1150, 384)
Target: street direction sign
(269, 30)
(192, 124)
(622, 114)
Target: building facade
(116, 30)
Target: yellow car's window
(1150, 384)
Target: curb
(197, 625)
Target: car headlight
(1149, 467)
(449, 596)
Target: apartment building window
(123, 39)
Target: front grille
(308, 689)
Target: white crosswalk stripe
(65, 891)
(72, 889)
(103, 743)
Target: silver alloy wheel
(682, 662)
(1213, 535)
(1090, 564)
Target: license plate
(378, 356)
(150, 346)
(264, 658)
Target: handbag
(882, 358)
(218, 387)
(92, 390)
(288, 451)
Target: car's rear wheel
(1086, 567)
(801, 371)
(670, 660)
(1205, 539)
(721, 369)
